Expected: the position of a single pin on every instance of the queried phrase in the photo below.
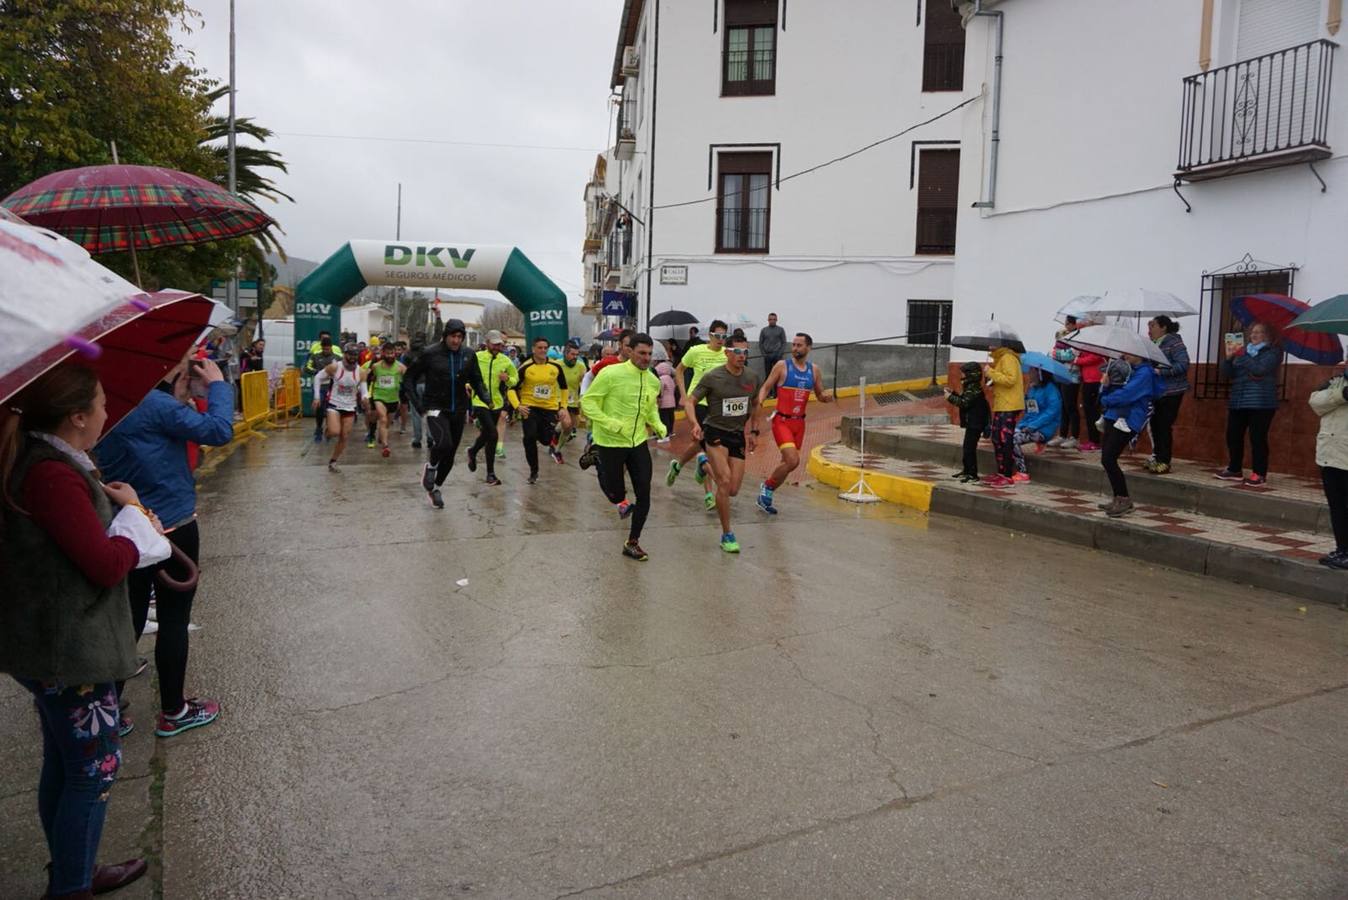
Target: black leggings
(1071, 415)
(173, 613)
(1336, 492)
(667, 416)
(1090, 409)
(1115, 443)
(1164, 412)
(486, 420)
(538, 428)
(971, 436)
(637, 461)
(1257, 422)
(444, 431)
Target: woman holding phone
(148, 450)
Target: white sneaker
(1054, 442)
(151, 628)
(1068, 444)
(1121, 425)
(154, 613)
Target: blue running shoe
(700, 473)
(765, 500)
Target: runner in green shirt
(699, 359)
(385, 379)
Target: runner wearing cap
(728, 428)
(498, 373)
(543, 401)
(347, 392)
(446, 371)
(794, 379)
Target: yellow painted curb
(896, 489)
(885, 387)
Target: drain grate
(892, 397)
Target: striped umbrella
(119, 207)
(1280, 312)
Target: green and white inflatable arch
(445, 264)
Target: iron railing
(1259, 107)
(845, 359)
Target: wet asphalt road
(865, 703)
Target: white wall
(1090, 139)
(842, 261)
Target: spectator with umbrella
(1330, 402)
(1253, 370)
(1008, 389)
(1164, 331)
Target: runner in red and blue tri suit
(794, 379)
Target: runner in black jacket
(449, 369)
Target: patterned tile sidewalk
(1291, 487)
(1297, 545)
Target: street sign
(673, 274)
(247, 292)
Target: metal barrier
(255, 391)
(286, 403)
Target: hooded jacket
(620, 403)
(970, 401)
(1330, 403)
(1132, 400)
(447, 373)
(1008, 383)
(1044, 403)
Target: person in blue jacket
(1043, 416)
(1253, 370)
(148, 450)
(1126, 409)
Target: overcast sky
(522, 72)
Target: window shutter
(750, 12)
(943, 48)
(1266, 26)
(937, 201)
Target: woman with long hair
(1164, 331)
(65, 624)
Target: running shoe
(436, 500)
(369, 444)
(533, 479)
(1069, 444)
(998, 481)
(729, 544)
(624, 509)
(500, 451)
(673, 474)
(1256, 480)
(589, 457)
(493, 480)
(428, 478)
(318, 437)
(1021, 478)
(765, 500)
(125, 726)
(199, 712)
(969, 479)
(332, 465)
(700, 473)
(1088, 446)
(709, 500)
(557, 457)
(632, 550)
(386, 453)
(472, 461)
(1055, 441)
(1336, 560)
(1228, 475)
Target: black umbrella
(988, 336)
(673, 317)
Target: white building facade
(1191, 146)
(718, 106)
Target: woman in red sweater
(65, 624)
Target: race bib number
(1032, 405)
(735, 406)
(385, 381)
(542, 392)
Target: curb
(896, 489)
(1187, 554)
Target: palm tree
(249, 162)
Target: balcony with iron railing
(626, 146)
(1271, 110)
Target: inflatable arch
(452, 265)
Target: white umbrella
(1139, 302)
(1078, 307)
(988, 335)
(1114, 341)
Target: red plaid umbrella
(106, 208)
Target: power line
(410, 140)
(838, 159)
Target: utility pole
(233, 293)
(398, 236)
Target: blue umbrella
(1033, 359)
